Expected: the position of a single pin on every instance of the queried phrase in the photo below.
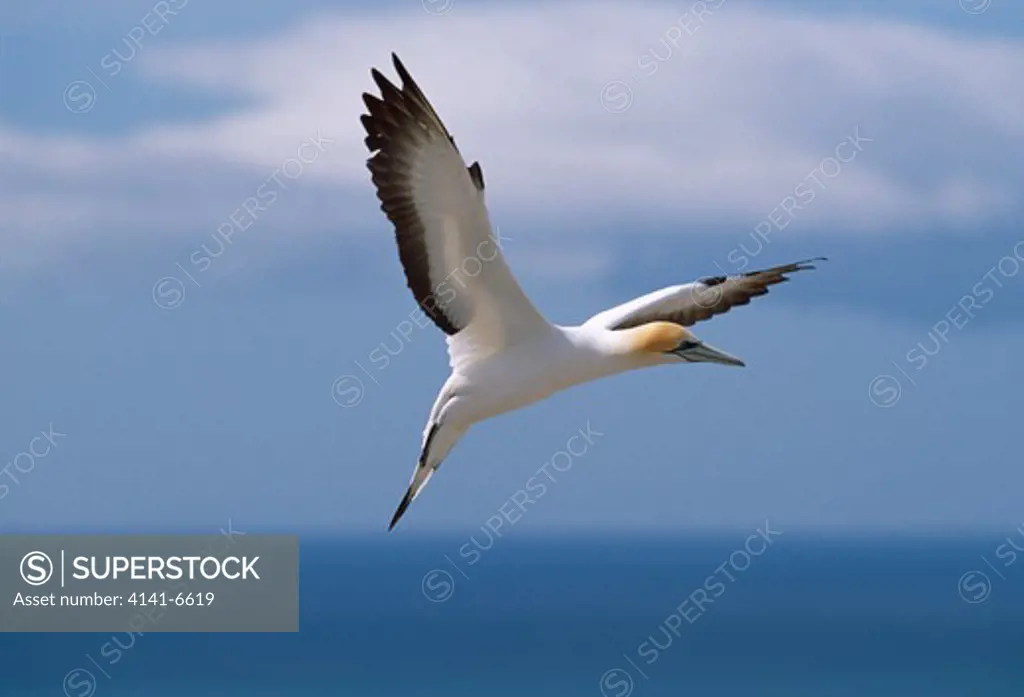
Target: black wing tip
(400, 69)
(395, 61)
(781, 271)
(808, 263)
(802, 265)
(383, 82)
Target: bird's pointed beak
(702, 353)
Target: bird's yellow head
(658, 337)
(672, 343)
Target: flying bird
(504, 354)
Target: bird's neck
(611, 351)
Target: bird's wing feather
(700, 300)
(452, 260)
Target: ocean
(761, 614)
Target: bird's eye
(686, 345)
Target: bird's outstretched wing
(700, 300)
(452, 259)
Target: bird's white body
(522, 374)
(504, 354)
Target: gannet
(503, 354)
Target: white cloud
(723, 123)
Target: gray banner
(149, 583)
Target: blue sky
(625, 147)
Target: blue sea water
(399, 615)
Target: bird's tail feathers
(425, 469)
(420, 477)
